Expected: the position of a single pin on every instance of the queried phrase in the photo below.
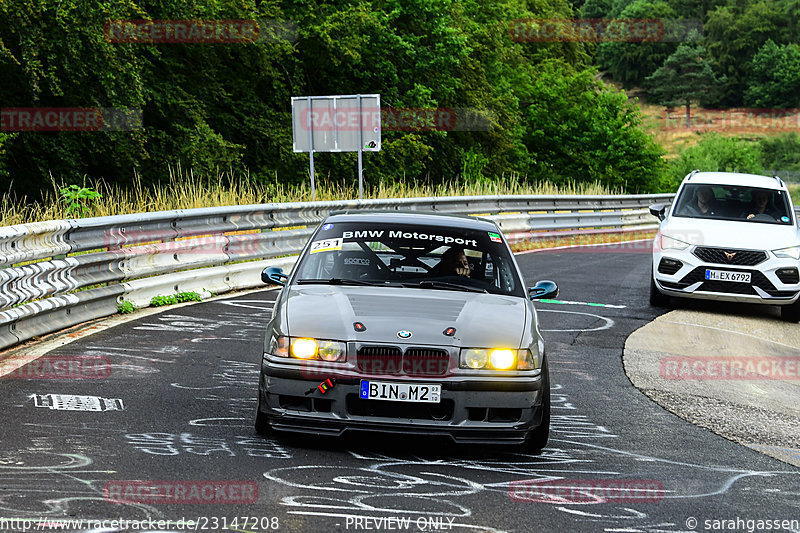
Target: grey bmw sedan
(406, 323)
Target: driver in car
(761, 206)
(453, 263)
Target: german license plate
(726, 275)
(400, 392)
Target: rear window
(411, 255)
(732, 202)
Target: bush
(714, 153)
(781, 152)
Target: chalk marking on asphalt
(608, 322)
(18, 357)
(570, 302)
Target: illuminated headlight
(789, 253)
(670, 243)
(502, 359)
(304, 348)
(498, 359)
(307, 349)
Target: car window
(733, 202)
(426, 257)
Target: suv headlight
(793, 252)
(498, 359)
(308, 349)
(670, 243)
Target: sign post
(344, 123)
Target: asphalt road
(180, 400)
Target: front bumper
(473, 409)
(766, 287)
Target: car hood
(731, 234)
(481, 320)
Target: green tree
(775, 79)
(581, 130)
(686, 76)
(631, 62)
(734, 33)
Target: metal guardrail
(60, 273)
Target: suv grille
(390, 360)
(757, 279)
(723, 256)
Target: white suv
(729, 237)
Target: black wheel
(537, 439)
(261, 425)
(791, 313)
(657, 298)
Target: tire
(262, 424)
(657, 298)
(537, 439)
(791, 313)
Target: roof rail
(691, 175)
(780, 181)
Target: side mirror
(543, 290)
(657, 210)
(274, 275)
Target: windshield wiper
(434, 284)
(339, 281)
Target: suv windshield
(733, 202)
(410, 255)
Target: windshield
(410, 255)
(733, 202)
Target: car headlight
(473, 358)
(308, 349)
(793, 252)
(671, 243)
(498, 359)
(304, 348)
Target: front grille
(402, 410)
(723, 256)
(425, 362)
(669, 266)
(386, 360)
(391, 361)
(788, 275)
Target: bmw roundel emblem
(404, 334)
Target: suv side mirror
(657, 210)
(543, 290)
(274, 275)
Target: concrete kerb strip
(19, 356)
(759, 413)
